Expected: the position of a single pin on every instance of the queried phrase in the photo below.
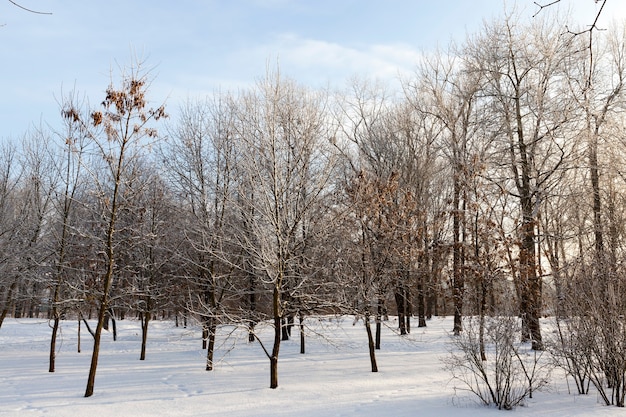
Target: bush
(511, 371)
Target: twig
(28, 10)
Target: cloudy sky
(196, 47)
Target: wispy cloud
(319, 61)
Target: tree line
(490, 185)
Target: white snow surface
(332, 379)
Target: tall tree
(446, 92)
(119, 133)
(201, 160)
(68, 169)
(524, 73)
(282, 129)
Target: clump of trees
(488, 187)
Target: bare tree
(201, 160)
(9, 222)
(524, 70)
(118, 133)
(68, 170)
(282, 128)
(447, 92)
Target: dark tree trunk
(53, 342)
(96, 345)
(285, 328)
(530, 302)
(401, 309)
(370, 343)
(211, 347)
(78, 337)
(409, 313)
(481, 328)
(113, 324)
(403, 303)
(457, 255)
(205, 332)
(252, 322)
(277, 337)
(302, 335)
(91, 332)
(290, 324)
(379, 317)
(251, 326)
(145, 321)
(420, 303)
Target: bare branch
(541, 7)
(27, 9)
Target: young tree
(201, 161)
(118, 133)
(68, 170)
(282, 129)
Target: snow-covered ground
(332, 379)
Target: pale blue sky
(198, 46)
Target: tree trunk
(457, 255)
(145, 320)
(401, 309)
(284, 329)
(277, 338)
(370, 343)
(379, 317)
(205, 332)
(481, 324)
(421, 313)
(91, 332)
(53, 341)
(113, 324)
(211, 346)
(96, 345)
(302, 335)
(252, 300)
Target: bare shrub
(511, 372)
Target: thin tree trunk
(113, 324)
(277, 338)
(457, 256)
(211, 346)
(481, 324)
(379, 317)
(302, 335)
(251, 322)
(205, 332)
(53, 341)
(284, 330)
(370, 343)
(91, 332)
(401, 309)
(96, 345)
(420, 303)
(145, 321)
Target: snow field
(332, 379)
